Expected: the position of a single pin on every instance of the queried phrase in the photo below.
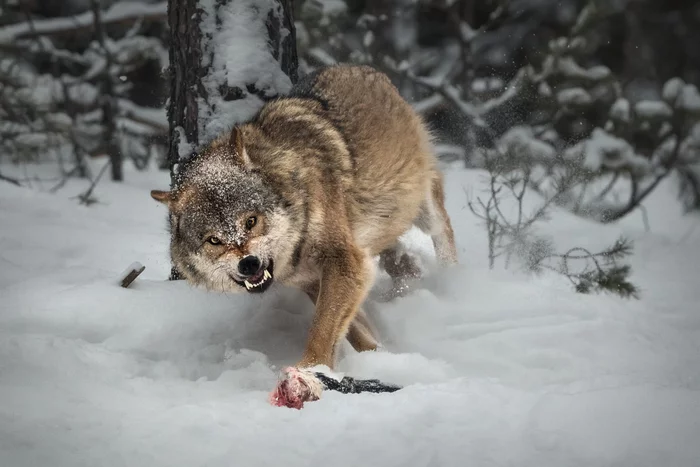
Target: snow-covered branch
(121, 12)
(67, 104)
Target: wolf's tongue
(256, 278)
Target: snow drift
(499, 368)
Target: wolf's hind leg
(400, 266)
(434, 220)
(360, 334)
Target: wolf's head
(228, 228)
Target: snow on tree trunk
(227, 57)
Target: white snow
(184, 147)
(322, 56)
(520, 141)
(689, 98)
(620, 110)
(574, 96)
(35, 140)
(544, 89)
(681, 95)
(42, 91)
(428, 104)
(154, 117)
(653, 110)
(499, 368)
(368, 39)
(605, 150)
(479, 85)
(466, 32)
(570, 68)
(672, 90)
(330, 8)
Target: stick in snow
(298, 386)
(130, 274)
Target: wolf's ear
(161, 196)
(237, 148)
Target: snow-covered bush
(560, 123)
(560, 109)
(513, 229)
(63, 100)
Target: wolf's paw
(295, 387)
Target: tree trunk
(227, 57)
(109, 110)
(185, 70)
(639, 66)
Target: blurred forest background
(589, 102)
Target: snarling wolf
(318, 184)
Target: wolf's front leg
(345, 281)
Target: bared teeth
(266, 277)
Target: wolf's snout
(249, 265)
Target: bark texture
(185, 74)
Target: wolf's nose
(249, 265)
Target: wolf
(309, 193)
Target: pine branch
(607, 275)
(614, 280)
(621, 248)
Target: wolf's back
(389, 146)
(383, 132)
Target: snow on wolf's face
(228, 228)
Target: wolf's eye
(214, 240)
(250, 222)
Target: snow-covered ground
(499, 368)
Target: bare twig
(86, 197)
(608, 187)
(14, 181)
(645, 218)
(64, 178)
(516, 237)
